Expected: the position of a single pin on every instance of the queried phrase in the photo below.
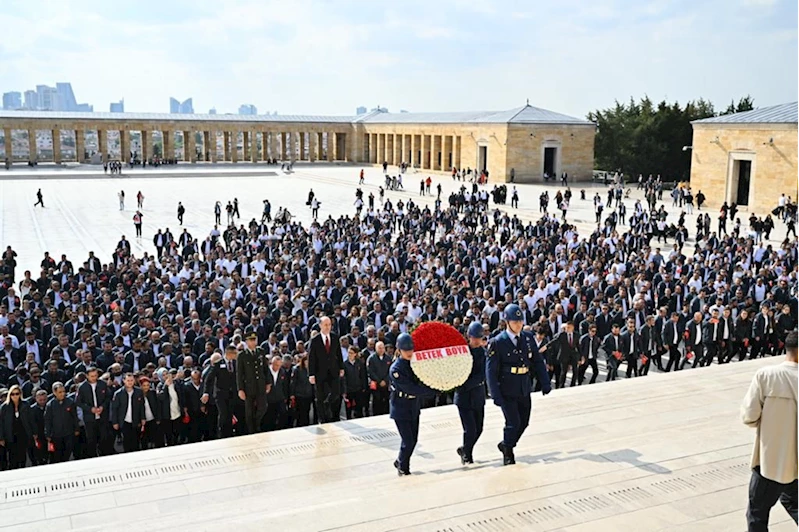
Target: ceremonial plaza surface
(663, 452)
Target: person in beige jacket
(770, 406)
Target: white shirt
(129, 413)
(148, 414)
(174, 405)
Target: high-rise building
(248, 109)
(31, 100)
(66, 98)
(360, 110)
(185, 108)
(212, 111)
(48, 98)
(85, 108)
(12, 100)
(118, 107)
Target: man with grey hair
(61, 425)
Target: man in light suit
(325, 369)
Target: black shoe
(507, 454)
(464, 460)
(400, 472)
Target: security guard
(404, 402)
(252, 383)
(470, 397)
(511, 357)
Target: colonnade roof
(520, 115)
(116, 117)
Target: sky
(327, 57)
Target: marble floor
(663, 453)
(82, 211)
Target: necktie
(327, 344)
(230, 367)
(571, 344)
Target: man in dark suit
(220, 383)
(325, 369)
(276, 397)
(589, 353)
(94, 398)
(671, 334)
(631, 347)
(127, 413)
(648, 344)
(566, 346)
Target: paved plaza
(82, 211)
(668, 452)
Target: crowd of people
(142, 351)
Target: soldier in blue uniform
(511, 357)
(470, 397)
(404, 402)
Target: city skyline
(450, 55)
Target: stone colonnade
(208, 145)
(428, 152)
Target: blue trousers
(409, 432)
(517, 416)
(472, 422)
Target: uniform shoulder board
(491, 344)
(396, 374)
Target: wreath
(441, 357)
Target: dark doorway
(549, 161)
(482, 158)
(744, 178)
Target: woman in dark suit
(16, 429)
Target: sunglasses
(15, 394)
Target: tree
(644, 138)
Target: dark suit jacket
(220, 383)
(566, 352)
(86, 401)
(589, 347)
(164, 399)
(667, 335)
(119, 406)
(322, 363)
(281, 389)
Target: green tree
(644, 138)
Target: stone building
(526, 141)
(749, 158)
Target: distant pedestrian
(181, 212)
(217, 213)
(121, 197)
(770, 407)
(140, 200)
(360, 180)
(137, 223)
(39, 199)
(236, 208)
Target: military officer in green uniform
(252, 382)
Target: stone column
(7, 143)
(32, 152)
(205, 150)
(166, 143)
(390, 148)
(446, 142)
(426, 152)
(226, 145)
(397, 149)
(102, 144)
(403, 149)
(234, 146)
(56, 134)
(145, 139)
(245, 145)
(124, 146)
(456, 151)
(189, 147)
(265, 145)
(312, 149)
(212, 147)
(415, 139)
(283, 143)
(434, 153)
(302, 146)
(254, 155)
(381, 149)
(331, 140)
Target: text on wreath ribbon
(441, 352)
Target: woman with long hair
(16, 429)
